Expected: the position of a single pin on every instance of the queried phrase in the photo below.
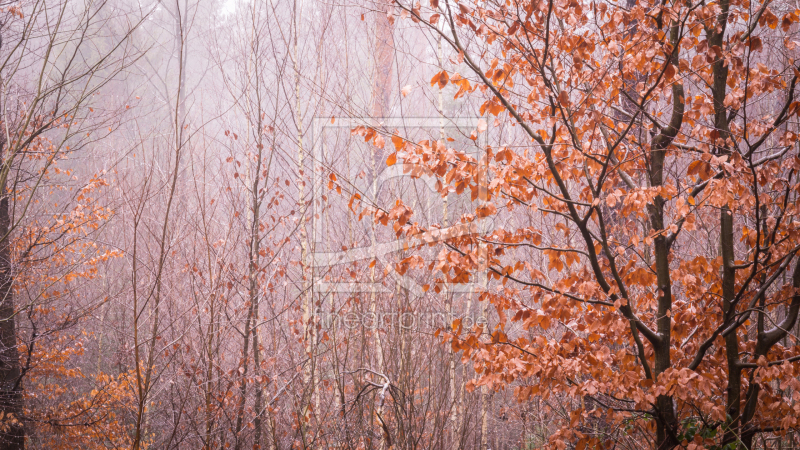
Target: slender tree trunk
(734, 388)
(381, 83)
(306, 294)
(209, 391)
(12, 433)
(243, 368)
(666, 423)
(484, 394)
(12, 437)
(259, 400)
(384, 53)
(461, 413)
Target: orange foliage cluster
(646, 269)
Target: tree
(648, 194)
(52, 68)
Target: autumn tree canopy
(647, 240)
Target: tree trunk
(734, 388)
(12, 433)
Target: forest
(399, 224)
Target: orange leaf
(380, 142)
(397, 141)
(563, 98)
(440, 78)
